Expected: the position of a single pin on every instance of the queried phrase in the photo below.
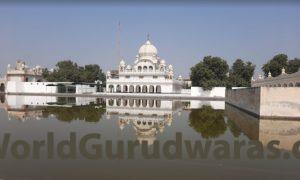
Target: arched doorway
(137, 102)
(151, 89)
(144, 102)
(285, 85)
(158, 89)
(125, 102)
(145, 90)
(291, 85)
(111, 88)
(138, 89)
(158, 103)
(2, 99)
(118, 89)
(131, 88)
(131, 102)
(2, 87)
(118, 102)
(125, 88)
(151, 103)
(279, 85)
(297, 84)
(111, 102)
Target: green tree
(293, 66)
(275, 65)
(240, 74)
(211, 72)
(92, 72)
(68, 71)
(208, 122)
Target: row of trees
(68, 71)
(215, 72)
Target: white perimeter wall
(30, 87)
(16, 101)
(215, 92)
(82, 89)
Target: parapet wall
(247, 99)
(270, 102)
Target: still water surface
(89, 138)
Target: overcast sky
(183, 35)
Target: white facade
(148, 74)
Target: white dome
(147, 49)
(122, 63)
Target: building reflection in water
(286, 131)
(148, 117)
(25, 108)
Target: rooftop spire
(148, 36)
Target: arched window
(140, 68)
(150, 68)
(145, 68)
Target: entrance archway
(297, 84)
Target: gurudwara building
(148, 74)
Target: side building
(283, 80)
(149, 74)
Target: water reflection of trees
(208, 122)
(87, 113)
(234, 129)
